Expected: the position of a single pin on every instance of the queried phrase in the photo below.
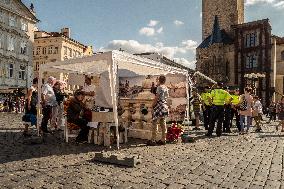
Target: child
(280, 113)
(257, 113)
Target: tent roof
(99, 63)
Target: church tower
(229, 12)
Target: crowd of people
(12, 103)
(220, 105)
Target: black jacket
(74, 110)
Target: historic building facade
(57, 46)
(17, 25)
(238, 53)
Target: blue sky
(171, 27)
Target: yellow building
(56, 46)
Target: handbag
(244, 104)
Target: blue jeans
(245, 121)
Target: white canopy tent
(117, 64)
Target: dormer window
(251, 40)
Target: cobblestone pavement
(247, 161)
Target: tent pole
(39, 99)
(113, 78)
(187, 102)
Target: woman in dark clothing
(30, 109)
(75, 114)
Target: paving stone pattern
(254, 160)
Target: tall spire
(216, 36)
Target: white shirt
(50, 98)
(258, 107)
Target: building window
(55, 50)
(251, 62)
(70, 52)
(12, 21)
(50, 49)
(282, 55)
(22, 72)
(2, 19)
(23, 48)
(24, 25)
(11, 43)
(7, 2)
(251, 40)
(37, 50)
(11, 70)
(37, 66)
(65, 50)
(44, 50)
(1, 41)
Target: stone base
(143, 134)
(118, 159)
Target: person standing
(160, 111)
(218, 98)
(89, 92)
(246, 103)
(227, 112)
(48, 102)
(196, 102)
(235, 109)
(257, 113)
(206, 106)
(272, 111)
(280, 113)
(30, 106)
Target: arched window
(282, 55)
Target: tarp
(117, 64)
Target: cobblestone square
(254, 160)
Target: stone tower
(229, 12)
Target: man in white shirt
(48, 100)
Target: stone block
(33, 140)
(118, 159)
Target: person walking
(206, 106)
(160, 112)
(218, 97)
(257, 113)
(280, 113)
(48, 102)
(246, 103)
(272, 111)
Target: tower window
(251, 40)
(282, 55)
(251, 62)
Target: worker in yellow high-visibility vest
(206, 106)
(227, 112)
(235, 108)
(218, 98)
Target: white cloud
(189, 44)
(153, 23)
(178, 22)
(252, 2)
(133, 46)
(186, 63)
(147, 31)
(160, 30)
(280, 4)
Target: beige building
(57, 46)
(17, 25)
(240, 53)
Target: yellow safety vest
(236, 99)
(205, 98)
(220, 96)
